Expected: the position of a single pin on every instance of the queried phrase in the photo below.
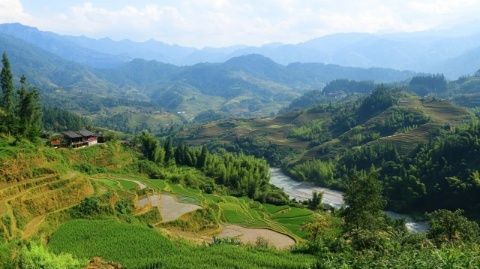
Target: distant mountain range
(90, 81)
(432, 52)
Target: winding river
(302, 191)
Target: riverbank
(302, 191)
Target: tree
(316, 201)
(451, 227)
(6, 82)
(315, 227)
(150, 147)
(29, 111)
(202, 159)
(363, 197)
(169, 152)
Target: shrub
(37, 256)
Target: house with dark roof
(77, 139)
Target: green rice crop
(140, 247)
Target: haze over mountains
(86, 79)
(431, 52)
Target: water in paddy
(302, 191)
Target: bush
(37, 256)
(89, 207)
(452, 227)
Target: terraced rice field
(252, 235)
(168, 205)
(137, 246)
(27, 203)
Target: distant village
(76, 139)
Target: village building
(74, 139)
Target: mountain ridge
(426, 52)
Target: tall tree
(202, 159)
(22, 107)
(316, 201)
(150, 147)
(169, 152)
(363, 197)
(6, 82)
(29, 112)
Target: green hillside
(329, 143)
(313, 133)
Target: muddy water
(302, 191)
(251, 235)
(170, 208)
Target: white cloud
(12, 11)
(227, 22)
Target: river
(302, 191)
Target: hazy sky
(226, 22)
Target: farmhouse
(82, 138)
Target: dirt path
(141, 185)
(250, 236)
(32, 227)
(170, 208)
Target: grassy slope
(44, 183)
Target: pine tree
(22, 107)
(169, 152)
(30, 112)
(202, 159)
(6, 82)
(36, 122)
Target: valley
(352, 150)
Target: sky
(217, 23)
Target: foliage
(243, 175)
(7, 260)
(348, 86)
(37, 256)
(316, 202)
(321, 172)
(363, 197)
(452, 227)
(122, 242)
(313, 132)
(425, 84)
(150, 148)
(22, 111)
(380, 99)
(57, 119)
(89, 207)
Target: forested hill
(330, 143)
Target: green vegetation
(423, 85)
(348, 86)
(366, 239)
(57, 119)
(22, 112)
(242, 175)
(386, 149)
(123, 242)
(36, 255)
(419, 147)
